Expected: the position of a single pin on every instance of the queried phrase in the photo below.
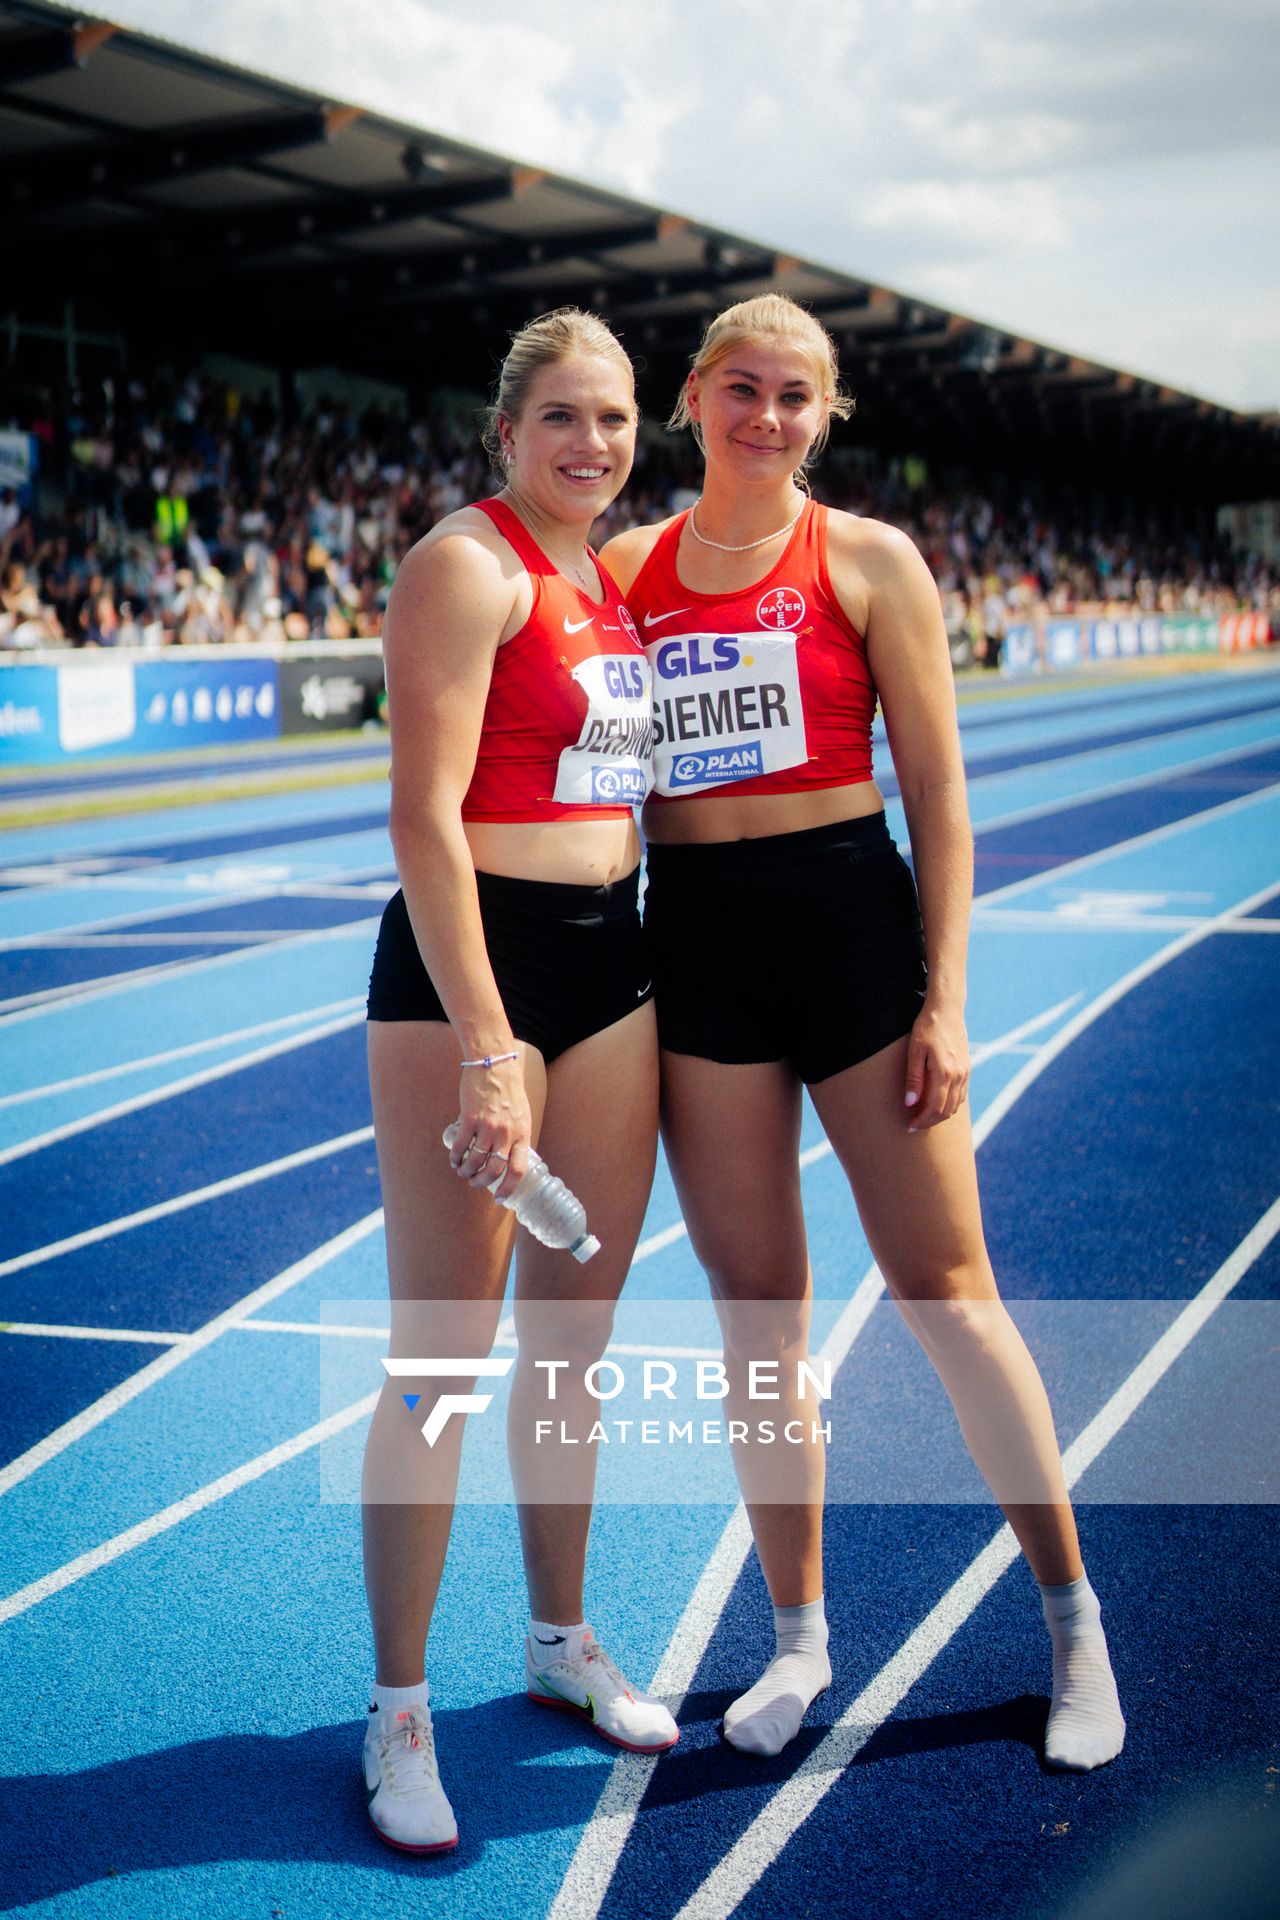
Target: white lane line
(90, 942)
(32, 1006)
(138, 834)
(188, 1052)
(759, 1846)
(1133, 784)
(207, 1496)
(626, 1786)
(182, 1201)
(1074, 1027)
(111, 1402)
(324, 1329)
(1187, 824)
(321, 1327)
(1175, 1340)
(204, 1078)
(53, 1332)
(667, 1237)
(722, 1569)
(377, 890)
(1049, 920)
(1006, 1043)
(600, 1846)
(196, 892)
(21, 1005)
(590, 1872)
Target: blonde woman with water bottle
(510, 998)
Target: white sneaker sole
(585, 1714)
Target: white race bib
(611, 762)
(726, 706)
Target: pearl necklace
(719, 545)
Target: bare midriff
(574, 853)
(705, 818)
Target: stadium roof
(188, 205)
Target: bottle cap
(585, 1247)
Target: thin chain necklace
(566, 566)
(580, 573)
(719, 545)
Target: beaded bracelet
(491, 1060)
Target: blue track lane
(946, 1811)
(214, 1766)
(1128, 1174)
(48, 1380)
(1004, 854)
(210, 846)
(100, 775)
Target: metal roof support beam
(119, 168)
(38, 56)
(203, 246)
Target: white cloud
(1043, 164)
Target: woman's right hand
(494, 1125)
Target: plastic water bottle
(545, 1206)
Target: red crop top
(567, 729)
(766, 690)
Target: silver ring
(497, 1156)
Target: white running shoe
(407, 1805)
(590, 1685)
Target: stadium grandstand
(248, 328)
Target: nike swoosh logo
(656, 619)
(574, 626)
(556, 1640)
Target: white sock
(767, 1717)
(548, 1642)
(394, 1700)
(1086, 1726)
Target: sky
(1101, 175)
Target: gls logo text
(698, 653)
(434, 1424)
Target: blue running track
(192, 1294)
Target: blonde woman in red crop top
(509, 993)
(788, 951)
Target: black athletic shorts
(568, 961)
(805, 947)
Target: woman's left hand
(937, 1066)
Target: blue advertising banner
(202, 703)
(28, 715)
(1054, 645)
(108, 705)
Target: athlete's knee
(963, 1324)
(576, 1332)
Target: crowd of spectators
(177, 511)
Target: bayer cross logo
(628, 624)
(434, 1424)
(780, 608)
